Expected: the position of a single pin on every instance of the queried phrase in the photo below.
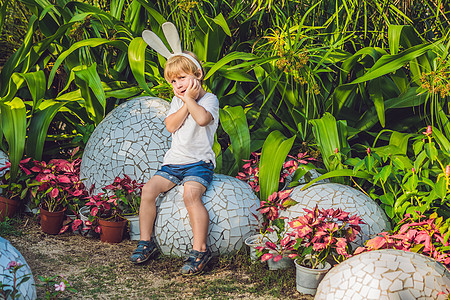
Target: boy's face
(181, 82)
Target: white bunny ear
(172, 37)
(155, 42)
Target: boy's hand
(192, 91)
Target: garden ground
(102, 271)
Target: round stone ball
(131, 140)
(8, 254)
(3, 160)
(348, 199)
(386, 274)
(231, 205)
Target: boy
(192, 119)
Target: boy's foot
(144, 251)
(196, 262)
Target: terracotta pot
(8, 208)
(112, 232)
(51, 222)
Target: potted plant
(58, 187)
(13, 192)
(128, 192)
(277, 243)
(106, 217)
(322, 237)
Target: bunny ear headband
(172, 37)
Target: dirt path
(102, 271)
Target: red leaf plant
(57, 184)
(425, 235)
(250, 172)
(120, 198)
(323, 235)
(273, 229)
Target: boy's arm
(175, 120)
(198, 112)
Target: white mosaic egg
(231, 205)
(333, 195)
(386, 274)
(7, 254)
(132, 140)
(3, 160)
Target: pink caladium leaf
(94, 211)
(266, 257)
(285, 241)
(54, 193)
(271, 245)
(76, 223)
(63, 179)
(63, 229)
(98, 229)
(293, 255)
(277, 258)
(376, 243)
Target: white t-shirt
(191, 142)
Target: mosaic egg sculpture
(333, 195)
(386, 274)
(7, 254)
(131, 139)
(230, 203)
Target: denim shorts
(201, 172)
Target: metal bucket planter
(308, 279)
(252, 242)
(133, 223)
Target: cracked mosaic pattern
(230, 203)
(7, 254)
(131, 139)
(385, 274)
(333, 195)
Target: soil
(102, 271)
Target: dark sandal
(196, 262)
(144, 251)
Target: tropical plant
(425, 235)
(323, 235)
(19, 188)
(58, 184)
(292, 170)
(128, 194)
(404, 181)
(274, 232)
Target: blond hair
(177, 64)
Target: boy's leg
(147, 211)
(198, 215)
(147, 215)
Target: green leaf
(274, 152)
(229, 58)
(14, 119)
(441, 187)
(234, 122)
(39, 124)
(93, 42)
(92, 91)
(136, 58)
